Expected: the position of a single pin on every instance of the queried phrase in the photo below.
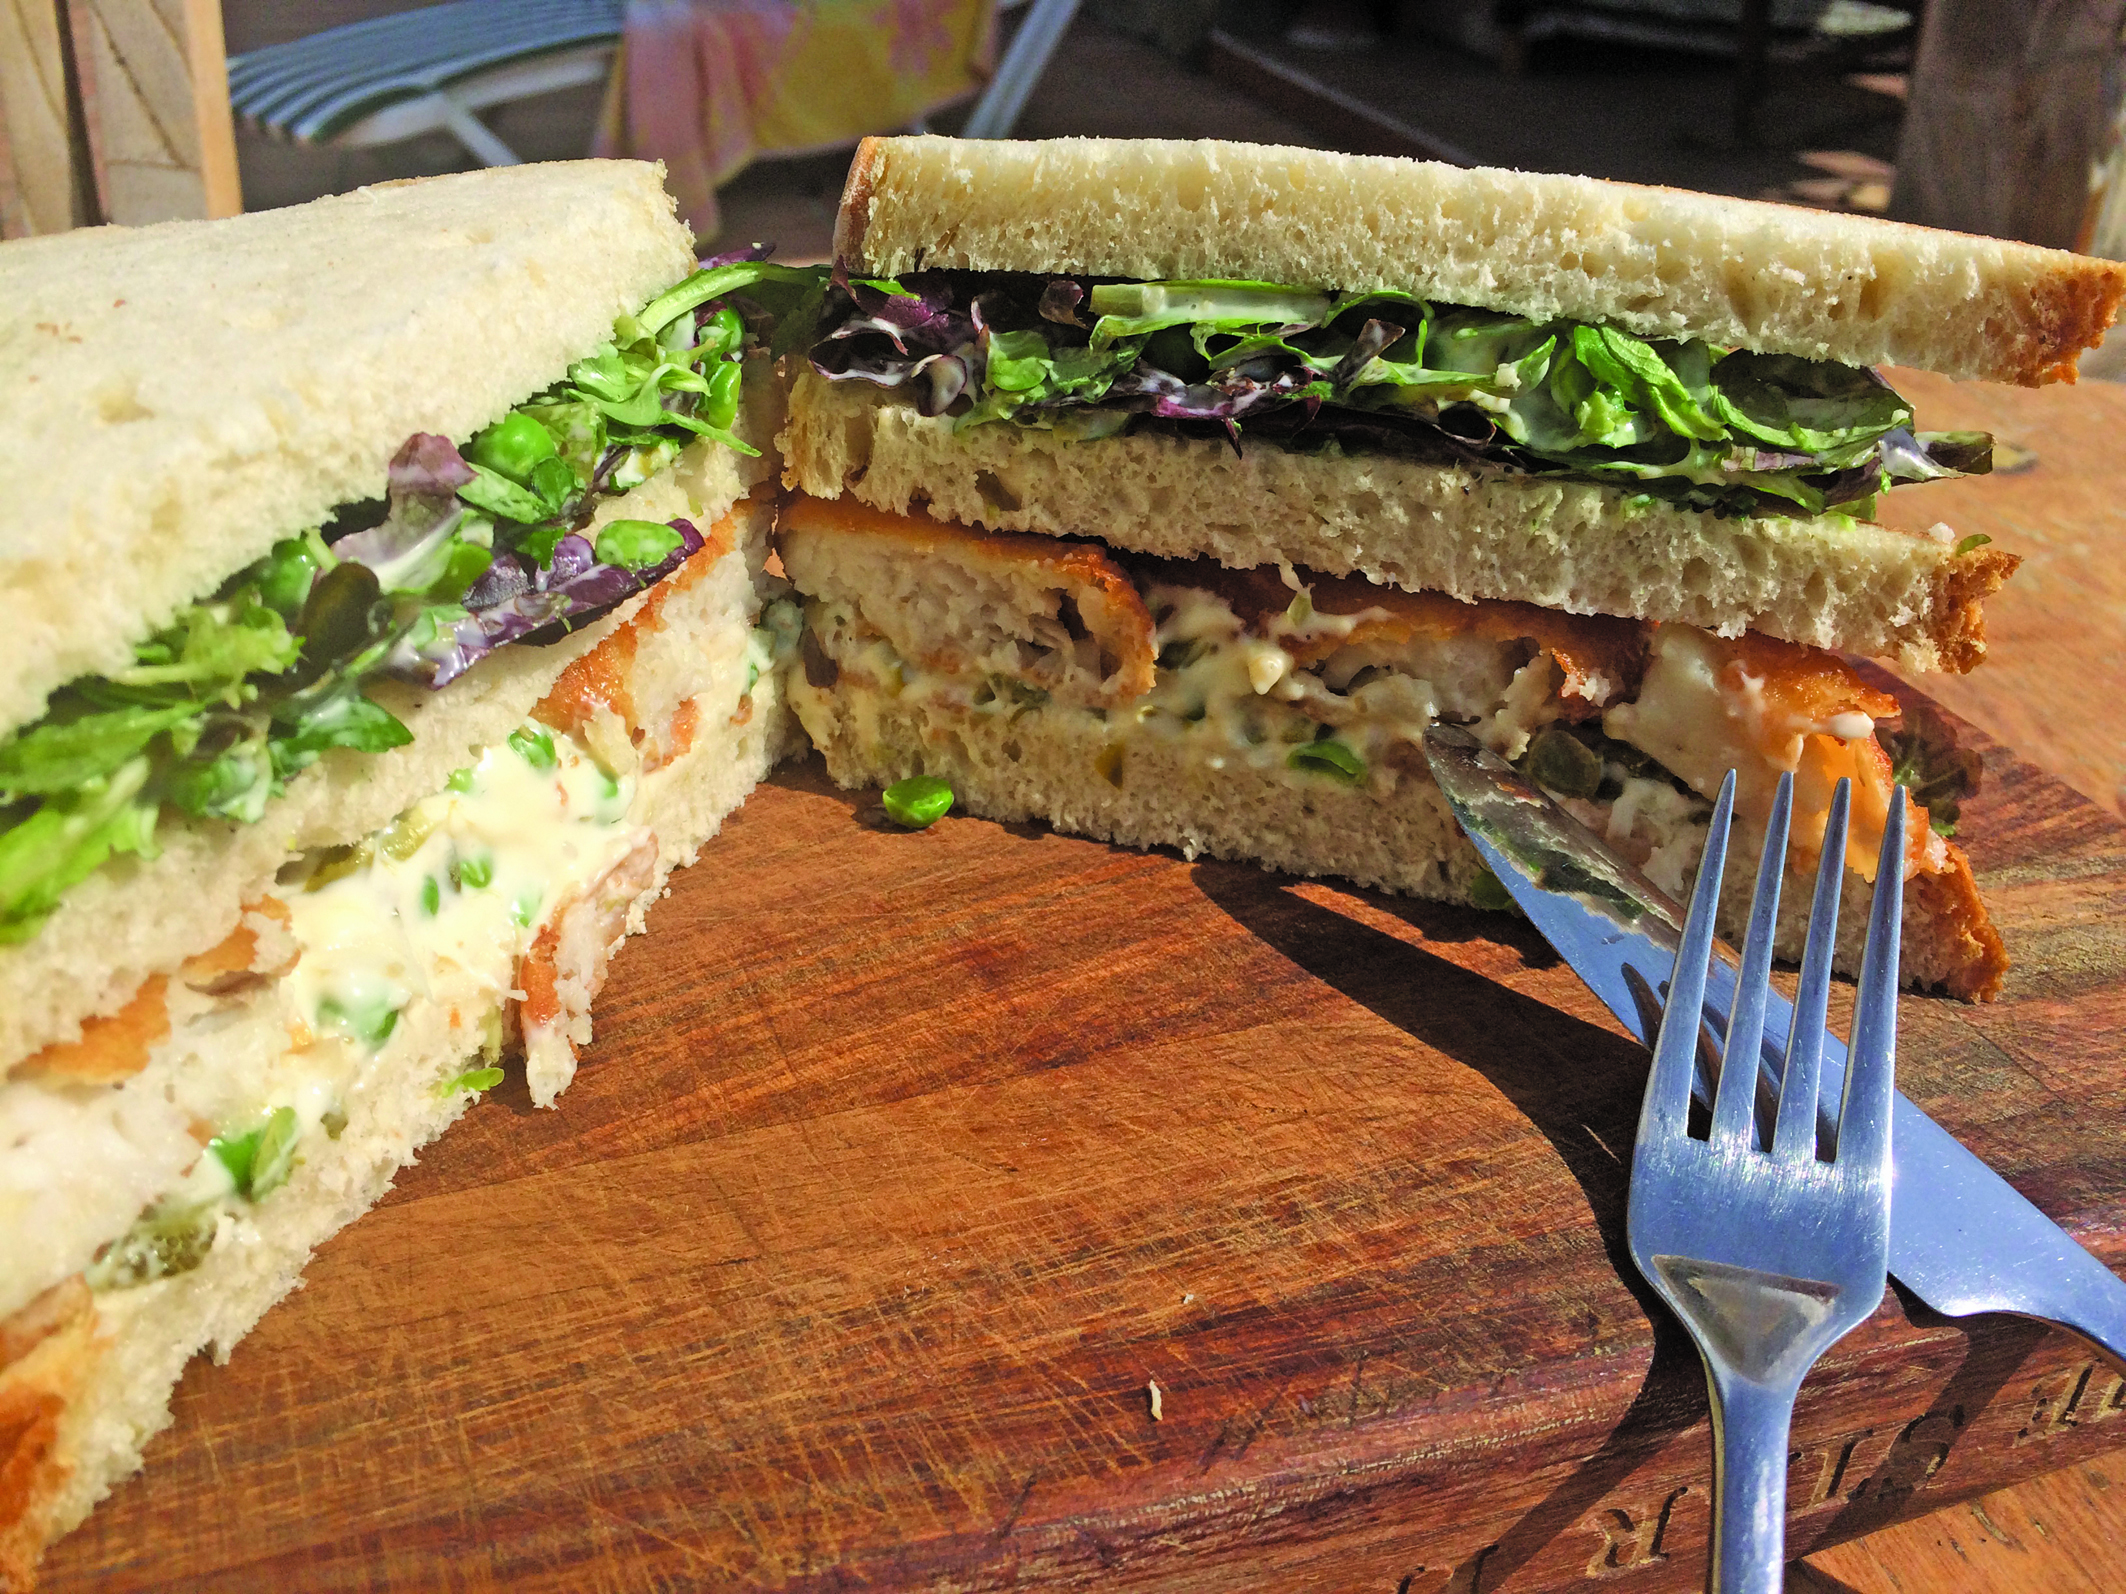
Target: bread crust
(48, 1354)
(1656, 261)
(853, 218)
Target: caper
(336, 863)
(514, 445)
(1559, 761)
(402, 838)
(1486, 891)
(336, 618)
(1180, 655)
(1328, 757)
(163, 1241)
(720, 408)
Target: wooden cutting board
(904, 1166)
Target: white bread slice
(175, 398)
(1656, 261)
(135, 918)
(1855, 586)
(99, 1378)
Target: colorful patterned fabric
(706, 85)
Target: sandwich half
(388, 622)
(1337, 445)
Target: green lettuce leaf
(315, 722)
(1801, 404)
(1715, 428)
(1132, 309)
(212, 647)
(69, 838)
(53, 757)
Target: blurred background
(1992, 116)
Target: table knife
(1961, 1237)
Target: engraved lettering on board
(1467, 1578)
(1909, 1460)
(1631, 1535)
(1921, 1450)
(2071, 1400)
(1834, 1465)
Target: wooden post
(2009, 105)
(153, 138)
(41, 192)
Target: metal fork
(1769, 1255)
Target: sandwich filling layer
(1683, 421)
(1279, 715)
(1856, 586)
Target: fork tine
(1734, 1108)
(1666, 1111)
(1870, 1086)
(1795, 1137)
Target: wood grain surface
(2053, 686)
(904, 1165)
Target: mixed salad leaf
(467, 551)
(1926, 760)
(1711, 428)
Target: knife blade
(1961, 1237)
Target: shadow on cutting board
(1577, 1084)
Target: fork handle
(1750, 1429)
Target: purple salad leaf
(518, 601)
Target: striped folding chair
(397, 77)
